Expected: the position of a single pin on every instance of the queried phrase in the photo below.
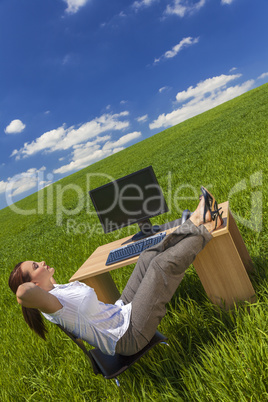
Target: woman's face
(39, 272)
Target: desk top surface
(95, 264)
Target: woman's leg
(163, 276)
(162, 273)
(143, 263)
(148, 255)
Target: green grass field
(214, 355)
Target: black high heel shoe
(211, 205)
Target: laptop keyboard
(133, 249)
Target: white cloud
(23, 182)
(93, 155)
(115, 150)
(183, 7)
(3, 186)
(67, 59)
(205, 87)
(74, 5)
(16, 126)
(142, 3)
(142, 119)
(162, 89)
(122, 141)
(263, 75)
(86, 154)
(206, 95)
(177, 7)
(64, 138)
(185, 42)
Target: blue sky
(82, 79)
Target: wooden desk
(221, 266)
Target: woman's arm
(32, 296)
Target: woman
(128, 325)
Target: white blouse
(82, 314)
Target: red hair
(32, 316)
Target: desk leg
(222, 272)
(104, 287)
(239, 244)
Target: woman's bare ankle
(196, 219)
(197, 216)
(211, 226)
